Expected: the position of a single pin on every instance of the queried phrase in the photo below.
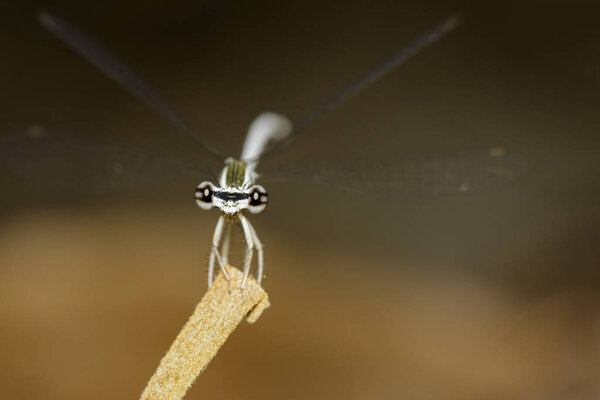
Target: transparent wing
(119, 72)
(372, 76)
(459, 173)
(53, 161)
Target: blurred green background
(483, 295)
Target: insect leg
(226, 244)
(259, 250)
(214, 252)
(250, 250)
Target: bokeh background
(491, 294)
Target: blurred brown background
(486, 295)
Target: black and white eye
(257, 199)
(204, 195)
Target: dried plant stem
(221, 309)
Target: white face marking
(231, 200)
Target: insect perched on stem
(237, 191)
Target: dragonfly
(236, 192)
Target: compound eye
(257, 199)
(204, 195)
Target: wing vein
(119, 72)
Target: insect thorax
(234, 173)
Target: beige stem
(221, 309)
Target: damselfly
(236, 191)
